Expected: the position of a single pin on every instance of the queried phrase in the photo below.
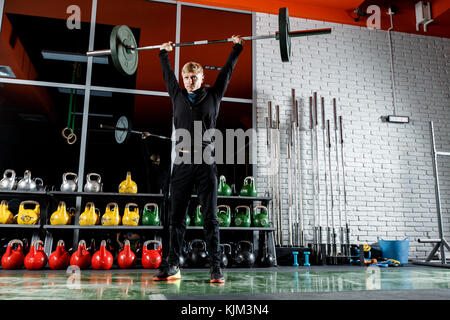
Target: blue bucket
(395, 249)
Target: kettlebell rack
(258, 232)
(49, 200)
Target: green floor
(274, 282)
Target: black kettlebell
(245, 256)
(224, 255)
(266, 260)
(198, 256)
(183, 255)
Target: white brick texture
(388, 166)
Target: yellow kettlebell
(6, 216)
(61, 216)
(90, 215)
(111, 217)
(28, 216)
(128, 185)
(131, 217)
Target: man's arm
(169, 76)
(220, 86)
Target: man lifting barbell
(194, 103)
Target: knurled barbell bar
(124, 49)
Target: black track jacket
(207, 103)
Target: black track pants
(184, 176)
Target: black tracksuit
(205, 109)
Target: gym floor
(411, 282)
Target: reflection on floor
(281, 281)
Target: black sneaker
(169, 273)
(217, 275)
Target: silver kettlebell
(28, 184)
(93, 185)
(9, 180)
(69, 185)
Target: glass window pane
(31, 122)
(152, 23)
(210, 24)
(41, 41)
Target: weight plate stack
(124, 59)
(284, 38)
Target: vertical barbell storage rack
(440, 243)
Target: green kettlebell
(223, 189)
(261, 218)
(224, 215)
(188, 220)
(150, 215)
(249, 189)
(198, 217)
(242, 216)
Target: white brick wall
(389, 175)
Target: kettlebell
(245, 256)
(198, 217)
(128, 185)
(9, 180)
(6, 216)
(150, 215)
(131, 216)
(13, 258)
(60, 258)
(69, 185)
(90, 215)
(242, 216)
(261, 219)
(249, 189)
(224, 254)
(266, 259)
(198, 256)
(224, 215)
(61, 216)
(36, 258)
(81, 257)
(151, 259)
(126, 258)
(28, 184)
(93, 185)
(28, 216)
(223, 189)
(111, 217)
(188, 220)
(183, 255)
(102, 259)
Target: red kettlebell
(102, 259)
(13, 258)
(81, 257)
(151, 259)
(60, 258)
(36, 258)
(126, 258)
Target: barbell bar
(124, 49)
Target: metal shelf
(235, 228)
(105, 194)
(22, 193)
(99, 227)
(21, 226)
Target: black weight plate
(283, 36)
(124, 59)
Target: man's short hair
(193, 67)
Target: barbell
(124, 49)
